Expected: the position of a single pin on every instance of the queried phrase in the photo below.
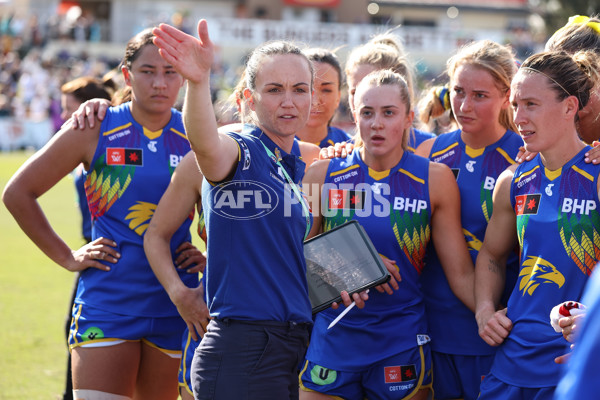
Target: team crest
(139, 216)
(536, 271)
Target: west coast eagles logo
(538, 271)
(139, 216)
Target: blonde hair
(387, 77)
(496, 59)
(383, 51)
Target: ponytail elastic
(443, 96)
(582, 20)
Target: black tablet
(343, 258)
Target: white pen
(337, 319)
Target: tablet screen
(343, 258)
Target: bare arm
(490, 267)
(425, 148)
(447, 235)
(65, 151)
(174, 207)
(311, 185)
(216, 152)
(309, 152)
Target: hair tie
(582, 20)
(443, 95)
(550, 78)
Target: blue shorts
(188, 347)
(492, 388)
(457, 376)
(91, 327)
(396, 377)
(249, 360)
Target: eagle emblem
(536, 271)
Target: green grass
(34, 296)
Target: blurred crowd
(31, 77)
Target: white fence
(18, 133)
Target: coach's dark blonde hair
(496, 59)
(268, 50)
(271, 49)
(567, 75)
(387, 78)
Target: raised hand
(191, 57)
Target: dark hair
(87, 88)
(568, 75)
(135, 45)
(327, 57)
(132, 52)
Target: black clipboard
(342, 258)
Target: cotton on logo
(243, 200)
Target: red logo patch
(527, 204)
(122, 156)
(400, 373)
(343, 199)
(336, 199)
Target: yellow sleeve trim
(506, 156)
(415, 178)
(175, 131)
(343, 171)
(582, 172)
(437, 153)
(527, 173)
(118, 128)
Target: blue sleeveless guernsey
(129, 173)
(558, 226)
(417, 137)
(394, 208)
(256, 227)
(334, 135)
(452, 325)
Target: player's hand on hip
(91, 255)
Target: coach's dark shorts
(249, 360)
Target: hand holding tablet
(342, 258)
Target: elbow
(11, 198)
(149, 236)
